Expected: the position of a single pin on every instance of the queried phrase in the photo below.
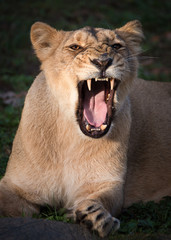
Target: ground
(19, 67)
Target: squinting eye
(116, 46)
(75, 47)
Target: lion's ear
(132, 34)
(44, 39)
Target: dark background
(19, 65)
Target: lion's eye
(75, 47)
(116, 46)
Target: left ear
(132, 34)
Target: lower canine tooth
(111, 83)
(88, 127)
(89, 84)
(103, 127)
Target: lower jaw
(95, 132)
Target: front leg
(97, 209)
(95, 217)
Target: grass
(8, 123)
(19, 66)
(147, 218)
(142, 219)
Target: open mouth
(95, 106)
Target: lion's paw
(95, 217)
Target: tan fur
(53, 162)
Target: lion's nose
(102, 64)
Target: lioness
(92, 137)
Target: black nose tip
(102, 64)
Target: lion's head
(89, 70)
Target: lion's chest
(69, 177)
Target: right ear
(44, 39)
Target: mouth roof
(96, 108)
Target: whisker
(135, 54)
(138, 54)
(147, 57)
(142, 57)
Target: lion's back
(149, 154)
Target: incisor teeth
(89, 84)
(111, 83)
(95, 129)
(103, 127)
(101, 79)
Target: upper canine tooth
(89, 84)
(108, 96)
(111, 83)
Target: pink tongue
(95, 108)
